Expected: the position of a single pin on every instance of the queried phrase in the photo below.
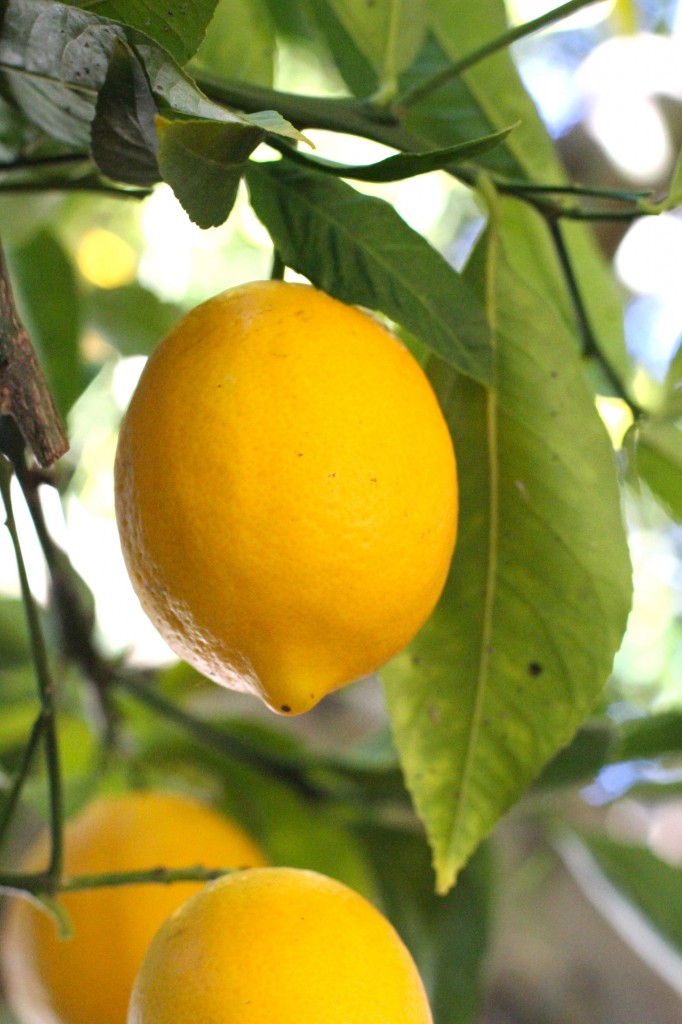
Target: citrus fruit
(280, 945)
(286, 492)
(87, 979)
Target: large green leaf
(240, 43)
(388, 32)
(522, 642)
(175, 25)
(358, 249)
(49, 304)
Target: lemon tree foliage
(502, 699)
(498, 684)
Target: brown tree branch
(24, 393)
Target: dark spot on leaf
(285, 708)
(534, 668)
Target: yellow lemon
(87, 979)
(286, 492)
(278, 946)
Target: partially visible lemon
(87, 979)
(278, 946)
(286, 492)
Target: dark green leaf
(452, 115)
(589, 751)
(203, 162)
(447, 935)
(49, 305)
(130, 318)
(175, 25)
(358, 249)
(123, 138)
(653, 736)
(522, 643)
(401, 165)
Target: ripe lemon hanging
(286, 492)
(87, 979)
(278, 945)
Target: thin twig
(589, 342)
(75, 620)
(46, 689)
(420, 92)
(30, 750)
(43, 884)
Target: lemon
(87, 979)
(278, 946)
(286, 492)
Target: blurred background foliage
(99, 280)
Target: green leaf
(130, 318)
(451, 114)
(240, 43)
(358, 249)
(14, 642)
(652, 736)
(483, 100)
(657, 452)
(589, 751)
(49, 305)
(175, 25)
(644, 880)
(536, 260)
(352, 64)
(57, 86)
(447, 935)
(672, 404)
(494, 83)
(402, 165)
(522, 642)
(123, 139)
(203, 162)
(389, 33)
